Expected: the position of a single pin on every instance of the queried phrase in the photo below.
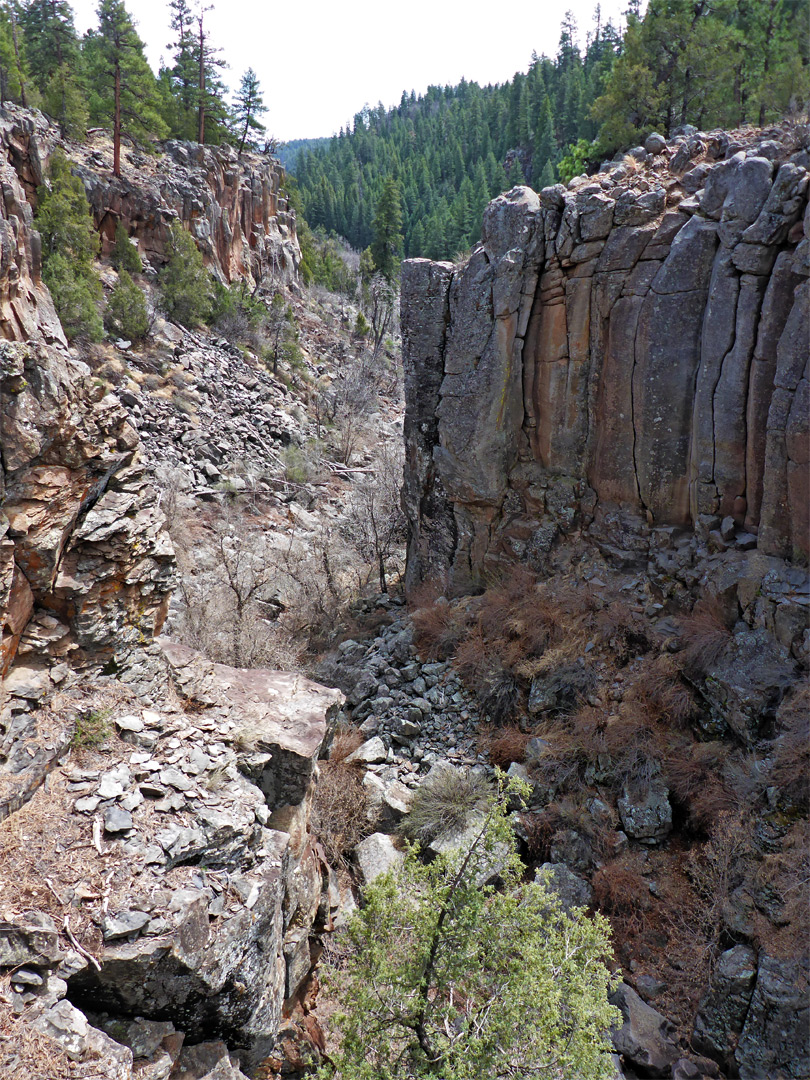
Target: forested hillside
(289, 152)
(104, 78)
(704, 62)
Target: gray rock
(117, 820)
(208, 1061)
(645, 1037)
(746, 684)
(573, 890)
(655, 143)
(721, 1014)
(123, 924)
(646, 814)
(376, 855)
(297, 959)
(372, 752)
(775, 1041)
(30, 939)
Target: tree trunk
(117, 123)
(23, 101)
(201, 86)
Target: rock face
(85, 566)
(231, 205)
(614, 356)
(211, 891)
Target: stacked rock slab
(618, 355)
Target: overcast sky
(319, 63)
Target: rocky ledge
(231, 204)
(160, 884)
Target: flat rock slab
(376, 855)
(276, 713)
(33, 746)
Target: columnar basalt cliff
(231, 204)
(627, 355)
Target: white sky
(318, 64)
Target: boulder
(646, 813)
(776, 1035)
(376, 855)
(573, 891)
(644, 1039)
(722, 1011)
(746, 684)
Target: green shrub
(124, 255)
(75, 296)
(296, 466)
(444, 801)
(92, 728)
(188, 288)
(448, 977)
(575, 161)
(69, 247)
(126, 315)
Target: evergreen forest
(709, 63)
(103, 78)
(422, 172)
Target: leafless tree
(375, 523)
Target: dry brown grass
(573, 744)
(560, 816)
(339, 811)
(438, 629)
(790, 769)
(539, 829)
(506, 746)
(658, 689)
(785, 875)
(694, 773)
(621, 892)
(623, 630)
(345, 742)
(704, 634)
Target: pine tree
(212, 112)
(188, 288)
(15, 76)
(184, 74)
(544, 145)
(387, 245)
(546, 176)
(69, 246)
(50, 37)
(246, 108)
(55, 61)
(125, 88)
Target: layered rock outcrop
(232, 205)
(627, 355)
(84, 565)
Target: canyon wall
(627, 355)
(232, 205)
(84, 565)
